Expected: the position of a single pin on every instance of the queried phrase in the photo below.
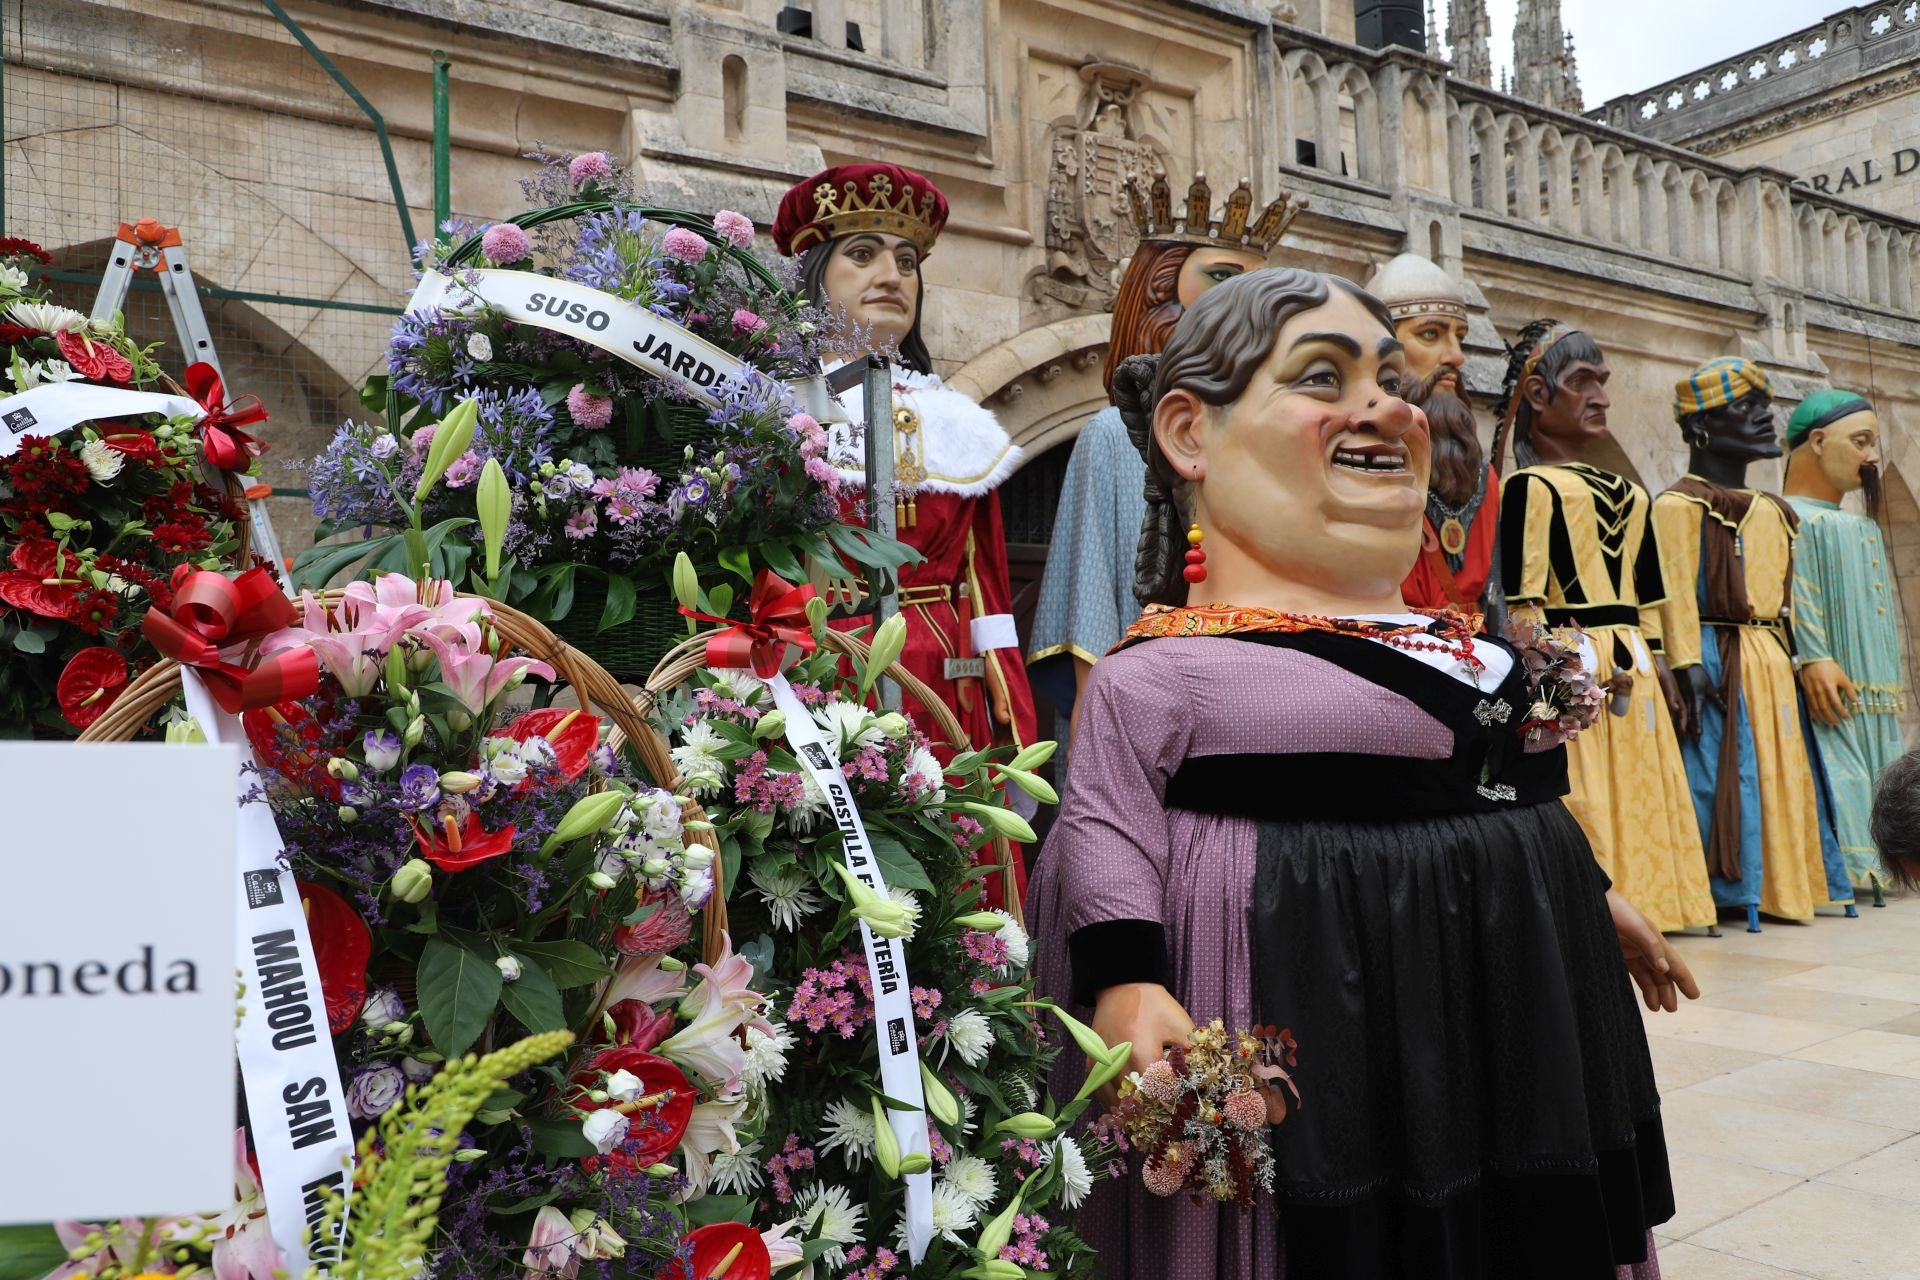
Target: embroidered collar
(957, 446)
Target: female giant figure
(1306, 807)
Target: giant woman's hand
(1657, 969)
(1145, 1013)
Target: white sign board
(117, 993)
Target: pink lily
(352, 659)
(476, 679)
(138, 1233)
(707, 1044)
(645, 981)
(550, 1250)
(243, 1247)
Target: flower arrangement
(1199, 1115)
(817, 1161)
(95, 520)
(473, 874)
(611, 470)
(1564, 698)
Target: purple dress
(1320, 832)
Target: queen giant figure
(1297, 804)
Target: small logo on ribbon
(897, 1041)
(816, 755)
(263, 888)
(21, 420)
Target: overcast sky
(1624, 46)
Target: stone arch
(1521, 162)
(1316, 112)
(1833, 251)
(1853, 244)
(1813, 250)
(1877, 271)
(1588, 187)
(1677, 208)
(1703, 245)
(1356, 94)
(1734, 254)
(1489, 176)
(1651, 198)
(1459, 157)
(1899, 271)
(1618, 203)
(1555, 176)
(1424, 123)
(1043, 383)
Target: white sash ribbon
(616, 326)
(53, 407)
(295, 1106)
(886, 963)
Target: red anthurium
(341, 948)
(572, 735)
(44, 558)
(131, 441)
(736, 1246)
(28, 592)
(290, 740)
(93, 678)
(657, 1118)
(94, 361)
(456, 848)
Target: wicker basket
(690, 656)
(597, 691)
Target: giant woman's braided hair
(1214, 352)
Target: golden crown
(915, 215)
(1156, 218)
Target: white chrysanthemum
(907, 899)
(813, 804)
(1019, 946)
(695, 758)
(849, 724)
(849, 1130)
(47, 317)
(737, 683)
(926, 767)
(12, 278)
(970, 1036)
(969, 1114)
(103, 460)
(1075, 1178)
(739, 1172)
(972, 1177)
(829, 1213)
(788, 893)
(766, 1058)
(953, 1212)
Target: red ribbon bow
(776, 631)
(211, 612)
(222, 442)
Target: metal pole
(880, 498)
(442, 169)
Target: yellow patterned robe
(1577, 551)
(1780, 837)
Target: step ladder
(149, 245)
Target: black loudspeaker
(1379, 23)
(794, 21)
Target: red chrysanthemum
(93, 678)
(181, 537)
(92, 609)
(653, 1131)
(94, 361)
(42, 470)
(21, 247)
(12, 333)
(342, 945)
(572, 735)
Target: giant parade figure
(861, 232)
(1846, 636)
(1727, 553)
(1579, 551)
(1086, 596)
(1458, 543)
(1297, 804)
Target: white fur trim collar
(963, 446)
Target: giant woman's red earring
(1196, 570)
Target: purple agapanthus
(516, 429)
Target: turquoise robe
(1845, 609)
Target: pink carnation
(746, 322)
(821, 472)
(688, 246)
(588, 409)
(504, 243)
(423, 439)
(735, 228)
(462, 469)
(589, 166)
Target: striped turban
(1716, 383)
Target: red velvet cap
(850, 198)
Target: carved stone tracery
(1089, 232)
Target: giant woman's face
(875, 277)
(1207, 267)
(1319, 470)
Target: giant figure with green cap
(1727, 552)
(1845, 630)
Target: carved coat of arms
(1089, 231)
